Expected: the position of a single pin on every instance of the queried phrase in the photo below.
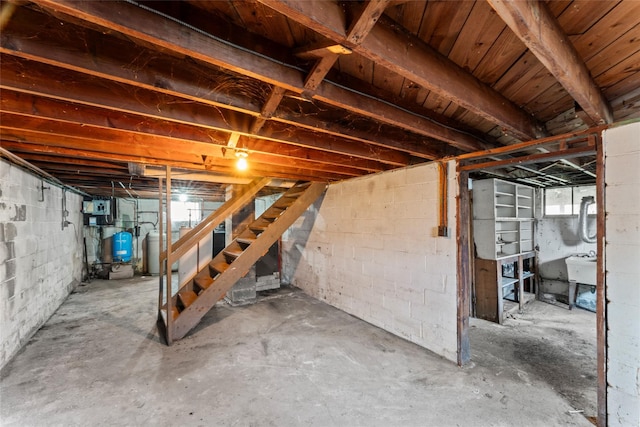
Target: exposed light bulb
(242, 164)
(182, 197)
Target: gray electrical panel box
(97, 207)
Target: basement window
(565, 201)
(190, 212)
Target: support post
(161, 271)
(169, 261)
(601, 287)
(464, 267)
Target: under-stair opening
(198, 294)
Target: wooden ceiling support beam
(170, 36)
(53, 109)
(80, 89)
(540, 31)
(33, 142)
(166, 148)
(360, 27)
(363, 24)
(532, 158)
(268, 109)
(318, 50)
(411, 58)
(358, 31)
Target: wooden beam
(45, 108)
(82, 89)
(601, 287)
(359, 29)
(176, 83)
(268, 108)
(44, 142)
(319, 72)
(320, 49)
(411, 58)
(170, 36)
(464, 267)
(363, 24)
(532, 158)
(534, 24)
(22, 145)
(568, 137)
(198, 176)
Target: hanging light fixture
(241, 163)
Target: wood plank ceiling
(103, 94)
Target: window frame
(573, 204)
(195, 219)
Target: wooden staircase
(201, 292)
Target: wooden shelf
(492, 287)
(503, 218)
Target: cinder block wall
(622, 204)
(558, 239)
(40, 262)
(370, 248)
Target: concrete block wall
(40, 262)
(558, 239)
(370, 247)
(147, 219)
(622, 261)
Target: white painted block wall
(622, 258)
(370, 248)
(558, 239)
(40, 262)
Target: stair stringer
(192, 315)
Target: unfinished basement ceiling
(102, 95)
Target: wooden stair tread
(203, 282)
(284, 202)
(246, 240)
(187, 297)
(273, 212)
(220, 267)
(234, 253)
(294, 192)
(251, 246)
(260, 225)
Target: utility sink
(582, 268)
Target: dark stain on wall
(10, 286)
(10, 232)
(7, 251)
(21, 213)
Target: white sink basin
(582, 269)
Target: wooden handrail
(183, 244)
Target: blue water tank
(122, 247)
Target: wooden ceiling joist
(78, 88)
(540, 31)
(411, 58)
(169, 36)
(82, 137)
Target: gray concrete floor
(288, 360)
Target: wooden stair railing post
(169, 317)
(161, 327)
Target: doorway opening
(520, 228)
